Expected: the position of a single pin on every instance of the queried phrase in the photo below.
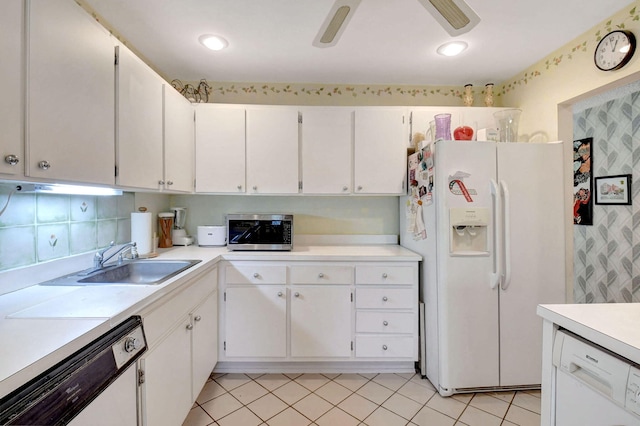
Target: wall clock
(615, 50)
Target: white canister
(212, 235)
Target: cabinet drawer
(385, 322)
(385, 347)
(402, 275)
(321, 274)
(256, 274)
(385, 298)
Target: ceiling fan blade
(455, 16)
(335, 23)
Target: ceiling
(385, 42)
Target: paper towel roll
(141, 232)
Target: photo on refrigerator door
(582, 182)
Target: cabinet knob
(296, 294)
(384, 275)
(197, 318)
(160, 182)
(189, 326)
(320, 275)
(239, 187)
(169, 182)
(385, 323)
(44, 165)
(11, 160)
(279, 294)
(359, 187)
(385, 298)
(345, 188)
(255, 188)
(256, 275)
(384, 347)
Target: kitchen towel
(141, 231)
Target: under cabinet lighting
(66, 189)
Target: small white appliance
(212, 235)
(488, 220)
(179, 233)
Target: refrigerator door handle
(495, 199)
(506, 226)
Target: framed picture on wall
(613, 189)
(582, 182)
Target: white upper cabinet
(70, 95)
(380, 151)
(11, 102)
(272, 150)
(179, 143)
(220, 148)
(327, 145)
(138, 123)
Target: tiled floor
(352, 400)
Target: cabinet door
(166, 394)
(380, 151)
(326, 150)
(204, 342)
(272, 150)
(70, 98)
(11, 102)
(220, 148)
(139, 122)
(256, 321)
(179, 143)
(320, 321)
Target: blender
(179, 233)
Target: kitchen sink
(137, 272)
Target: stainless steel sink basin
(140, 272)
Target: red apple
(463, 133)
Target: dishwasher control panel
(633, 391)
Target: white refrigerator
(488, 220)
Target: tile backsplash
(39, 227)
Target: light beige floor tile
(430, 417)
(248, 392)
(232, 381)
(289, 417)
(337, 417)
(473, 416)
(423, 382)
(491, 405)
(465, 398)
(267, 406)
(522, 417)
(312, 381)
(291, 393)
(384, 417)
(241, 417)
(358, 406)
(273, 381)
(351, 381)
(211, 390)
(330, 376)
(312, 406)
(535, 392)
(390, 380)
(333, 392)
(407, 376)
(368, 376)
(505, 396)
(417, 392)
(293, 375)
(448, 406)
(527, 401)
(402, 406)
(197, 417)
(375, 392)
(221, 406)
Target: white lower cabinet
(181, 334)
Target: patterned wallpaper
(605, 262)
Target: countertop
(41, 325)
(613, 326)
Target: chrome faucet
(99, 259)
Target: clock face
(614, 50)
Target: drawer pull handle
(384, 347)
(385, 298)
(385, 323)
(198, 318)
(256, 275)
(189, 326)
(384, 275)
(296, 294)
(320, 275)
(279, 294)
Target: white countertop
(614, 326)
(41, 325)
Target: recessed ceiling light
(213, 42)
(452, 48)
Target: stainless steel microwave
(259, 231)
